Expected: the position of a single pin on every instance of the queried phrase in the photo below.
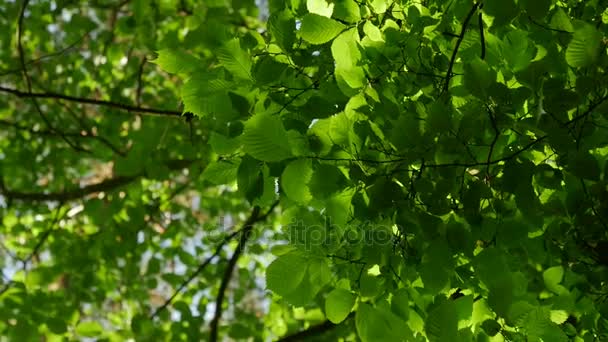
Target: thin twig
(28, 80)
(482, 37)
(494, 140)
(41, 241)
(547, 27)
(47, 56)
(194, 274)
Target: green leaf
(295, 180)
(372, 32)
(442, 323)
(347, 10)
(379, 6)
(235, 60)
(282, 26)
(222, 144)
(286, 273)
(265, 138)
(400, 304)
(221, 172)
(338, 304)
(584, 48)
(376, 325)
(326, 181)
(491, 327)
(561, 21)
(250, 179)
(518, 50)
(536, 8)
(346, 53)
(320, 7)
(267, 70)
(582, 164)
(478, 76)
(56, 325)
(318, 30)
(552, 277)
(548, 177)
(503, 11)
(176, 61)
(204, 94)
(89, 329)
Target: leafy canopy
(318, 170)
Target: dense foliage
(318, 170)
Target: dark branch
(28, 81)
(482, 36)
(41, 241)
(103, 103)
(463, 31)
(47, 56)
(492, 162)
(587, 112)
(494, 140)
(245, 235)
(315, 330)
(194, 274)
(73, 194)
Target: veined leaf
(442, 323)
(177, 61)
(584, 48)
(347, 10)
(235, 59)
(266, 139)
(220, 172)
(378, 325)
(317, 29)
(282, 26)
(205, 94)
(478, 76)
(286, 273)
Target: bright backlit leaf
(317, 29)
(338, 305)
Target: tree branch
(41, 241)
(194, 274)
(587, 112)
(314, 330)
(28, 80)
(47, 56)
(547, 27)
(104, 103)
(463, 31)
(245, 235)
(482, 36)
(69, 195)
